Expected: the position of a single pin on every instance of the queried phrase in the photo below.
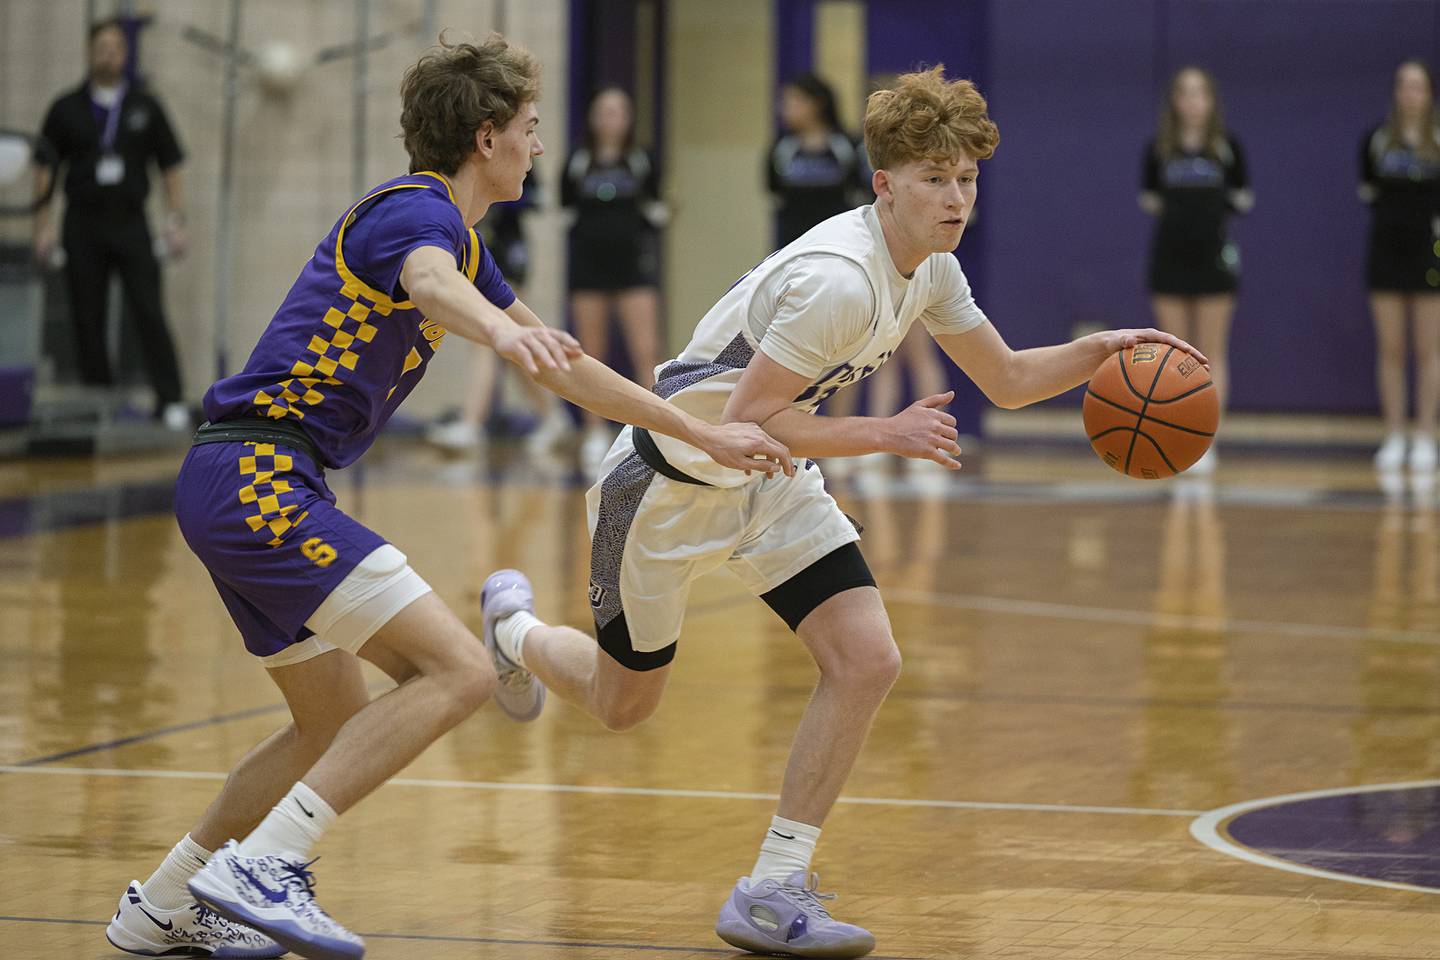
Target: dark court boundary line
(151, 735)
(497, 941)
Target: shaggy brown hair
(454, 89)
(926, 117)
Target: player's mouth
(957, 222)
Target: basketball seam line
(1143, 417)
(1188, 393)
(1158, 449)
(1137, 434)
(1130, 454)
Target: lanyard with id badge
(110, 168)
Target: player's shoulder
(418, 195)
(827, 277)
(945, 268)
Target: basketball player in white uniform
(817, 315)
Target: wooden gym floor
(1097, 670)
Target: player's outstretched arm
(1016, 378)
(923, 430)
(443, 294)
(555, 360)
(594, 386)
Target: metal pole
(223, 223)
(362, 77)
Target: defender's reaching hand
(744, 446)
(534, 349)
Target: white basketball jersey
(830, 306)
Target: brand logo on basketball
(1187, 366)
(597, 594)
(1145, 353)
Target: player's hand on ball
(1117, 340)
(924, 431)
(744, 446)
(534, 349)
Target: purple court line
(498, 941)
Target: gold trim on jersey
(262, 489)
(350, 321)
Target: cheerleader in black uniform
(1193, 179)
(614, 188)
(1400, 179)
(503, 232)
(814, 170)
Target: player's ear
(485, 138)
(880, 185)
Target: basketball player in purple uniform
(313, 590)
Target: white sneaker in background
(1391, 455)
(549, 432)
(457, 436)
(593, 449)
(176, 417)
(1206, 465)
(1422, 455)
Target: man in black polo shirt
(105, 133)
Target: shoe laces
(516, 679)
(300, 872)
(807, 898)
(207, 917)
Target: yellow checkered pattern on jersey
(337, 349)
(264, 492)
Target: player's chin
(948, 237)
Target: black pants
(97, 244)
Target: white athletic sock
(788, 847)
(166, 886)
(294, 826)
(510, 634)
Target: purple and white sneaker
(788, 918)
(142, 928)
(276, 896)
(519, 694)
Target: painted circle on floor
(1385, 835)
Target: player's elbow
(1007, 400)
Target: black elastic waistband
(655, 460)
(254, 430)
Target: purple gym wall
(1076, 97)
(901, 35)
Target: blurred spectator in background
(814, 170)
(613, 186)
(1400, 179)
(1193, 178)
(105, 133)
(503, 233)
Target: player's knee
(619, 715)
(470, 682)
(873, 665)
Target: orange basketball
(1151, 411)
